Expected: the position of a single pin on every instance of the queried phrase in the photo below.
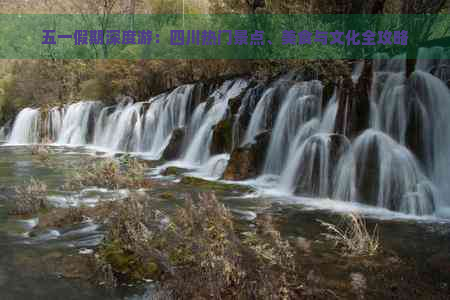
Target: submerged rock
(248, 161)
(173, 149)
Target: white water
(26, 127)
(400, 163)
(302, 103)
(75, 124)
(198, 150)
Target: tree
(103, 9)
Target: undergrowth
(111, 174)
(30, 198)
(196, 253)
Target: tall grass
(353, 236)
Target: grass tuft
(353, 236)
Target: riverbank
(412, 262)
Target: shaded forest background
(55, 82)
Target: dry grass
(354, 236)
(40, 152)
(30, 198)
(111, 174)
(196, 253)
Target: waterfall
(260, 116)
(380, 172)
(26, 128)
(77, 122)
(198, 150)
(310, 170)
(249, 102)
(54, 123)
(172, 115)
(399, 161)
(301, 104)
(119, 128)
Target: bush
(110, 174)
(30, 198)
(197, 253)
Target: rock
(247, 161)
(199, 95)
(173, 149)
(359, 284)
(303, 244)
(222, 140)
(173, 171)
(440, 262)
(235, 103)
(353, 113)
(312, 278)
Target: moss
(126, 263)
(222, 137)
(173, 171)
(226, 128)
(213, 185)
(168, 196)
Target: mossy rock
(174, 148)
(127, 264)
(222, 140)
(213, 185)
(168, 196)
(173, 171)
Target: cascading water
(121, 129)
(2, 133)
(26, 129)
(171, 115)
(301, 104)
(401, 162)
(54, 123)
(380, 172)
(249, 102)
(260, 116)
(206, 116)
(309, 170)
(76, 123)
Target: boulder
(353, 114)
(222, 139)
(173, 149)
(247, 161)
